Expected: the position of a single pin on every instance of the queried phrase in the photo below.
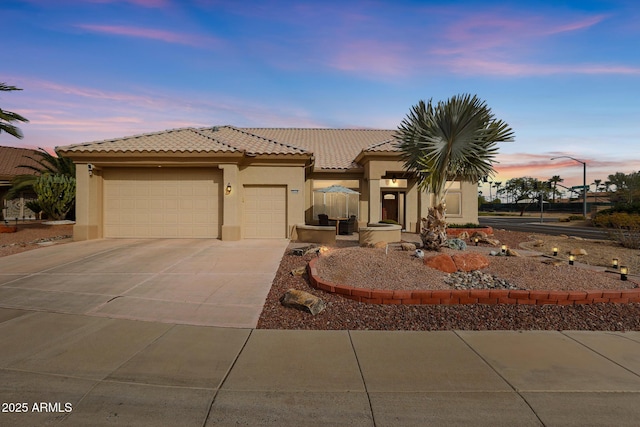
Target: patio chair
(348, 227)
(324, 220)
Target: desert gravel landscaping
(342, 313)
(32, 235)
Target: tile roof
(168, 141)
(11, 157)
(332, 148)
(249, 142)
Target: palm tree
(48, 164)
(555, 180)
(8, 117)
(451, 141)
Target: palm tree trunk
(434, 228)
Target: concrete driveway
(185, 281)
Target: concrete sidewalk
(122, 372)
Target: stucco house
(236, 183)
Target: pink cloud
(149, 33)
(367, 56)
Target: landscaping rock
(408, 247)
(380, 245)
(463, 235)
(298, 271)
(477, 280)
(490, 241)
(538, 243)
(442, 262)
(579, 251)
(512, 252)
(302, 300)
(479, 235)
(554, 262)
(456, 244)
(419, 253)
(470, 261)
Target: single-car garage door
(265, 212)
(161, 202)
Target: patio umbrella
(334, 191)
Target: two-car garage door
(184, 202)
(162, 202)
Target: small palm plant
(451, 141)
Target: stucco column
(231, 219)
(375, 205)
(88, 203)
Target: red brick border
(470, 296)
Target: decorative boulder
(479, 235)
(463, 235)
(456, 244)
(578, 252)
(299, 271)
(490, 241)
(470, 261)
(380, 245)
(512, 252)
(442, 262)
(302, 300)
(410, 247)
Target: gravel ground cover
(342, 313)
(31, 235)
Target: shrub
(617, 220)
(467, 225)
(56, 194)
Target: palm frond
(455, 140)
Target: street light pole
(584, 182)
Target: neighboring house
(10, 159)
(234, 183)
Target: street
(548, 226)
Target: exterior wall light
(614, 263)
(571, 258)
(555, 251)
(227, 190)
(624, 270)
(394, 179)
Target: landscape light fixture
(614, 263)
(227, 190)
(571, 258)
(624, 270)
(504, 249)
(555, 251)
(476, 240)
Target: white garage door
(161, 202)
(265, 212)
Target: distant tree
(555, 180)
(451, 141)
(526, 191)
(497, 185)
(627, 186)
(7, 118)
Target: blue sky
(564, 74)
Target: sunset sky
(565, 74)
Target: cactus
(56, 194)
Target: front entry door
(393, 206)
